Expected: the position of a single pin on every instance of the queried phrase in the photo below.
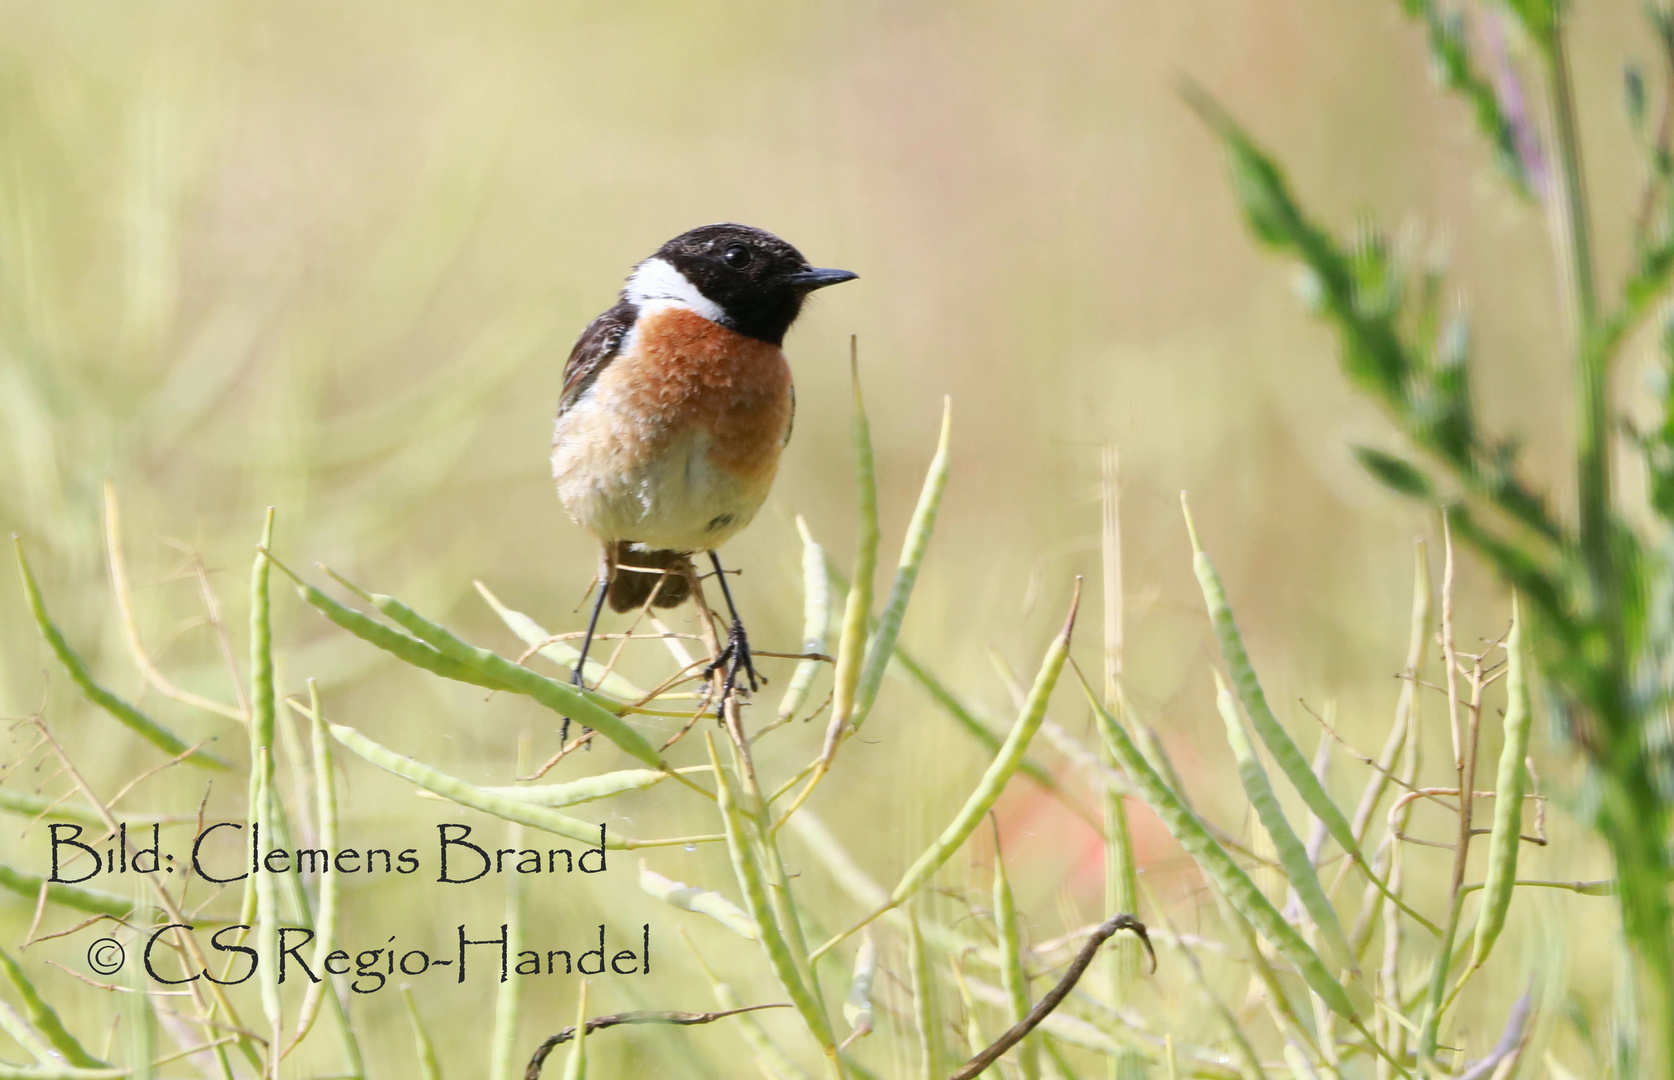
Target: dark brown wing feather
(633, 577)
(597, 346)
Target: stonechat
(676, 405)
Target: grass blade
(1436, 994)
(837, 861)
(771, 1058)
(1121, 871)
(61, 1072)
(1121, 891)
(142, 725)
(139, 1017)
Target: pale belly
(623, 481)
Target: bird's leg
(576, 674)
(735, 657)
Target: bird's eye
(737, 256)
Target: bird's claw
(735, 659)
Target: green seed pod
(142, 725)
(702, 901)
(999, 771)
(913, 547)
(1293, 856)
(851, 645)
(816, 620)
(754, 886)
(1506, 836)
(44, 1018)
(1228, 876)
(501, 806)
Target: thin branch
(130, 625)
(1054, 997)
(538, 1061)
(223, 641)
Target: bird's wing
(597, 346)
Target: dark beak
(815, 278)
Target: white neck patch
(656, 281)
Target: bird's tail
(635, 574)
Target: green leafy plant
(1595, 589)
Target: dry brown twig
(597, 1023)
(1055, 996)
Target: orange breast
(688, 372)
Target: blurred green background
(331, 258)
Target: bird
(676, 404)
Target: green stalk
(428, 1069)
(1573, 224)
(576, 1067)
(753, 883)
(927, 1013)
(1631, 817)
(1121, 871)
(1014, 977)
(1121, 891)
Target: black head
(743, 278)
